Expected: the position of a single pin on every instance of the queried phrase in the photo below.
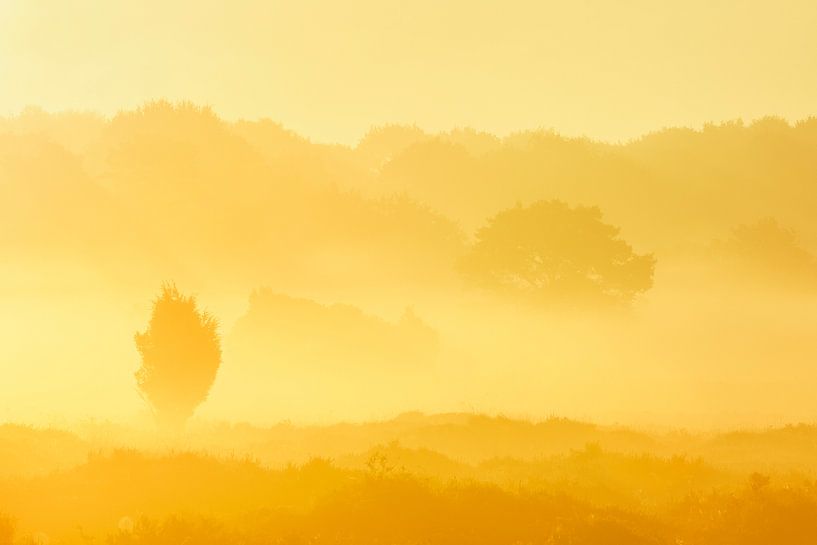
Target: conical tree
(181, 353)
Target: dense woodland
(255, 203)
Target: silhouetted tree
(771, 250)
(549, 251)
(181, 353)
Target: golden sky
(608, 69)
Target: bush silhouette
(769, 251)
(549, 251)
(181, 353)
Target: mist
(339, 275)
(370, 272)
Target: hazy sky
(609, 69)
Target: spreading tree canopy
(549, 252)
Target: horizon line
(693, 127)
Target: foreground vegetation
(436, 479)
